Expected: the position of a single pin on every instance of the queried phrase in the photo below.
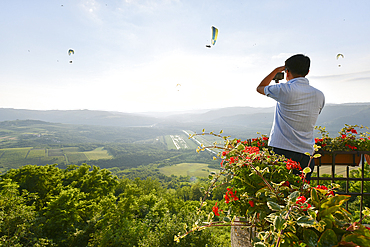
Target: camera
(278, 76)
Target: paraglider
(214, 36)
(70, 52)
(338, 56)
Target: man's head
(298, 65)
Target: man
(298, 106)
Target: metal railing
(357, 160)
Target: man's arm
(265, 82)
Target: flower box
(340, 158)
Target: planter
(367, 158)
(241, 236)
(341, 158)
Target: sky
(151, 55)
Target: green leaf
(310, 237)
(328, 222)
(366, 211)
(241, 147)
(293, 197)
(278, 223)
(259, 244)
(305, 221)
(314, 198)
(312, 213)
(306, 170)
(329, 211)
(337, 200)
(273, 206)
(290, 239)
(327, 239)
(227, 219)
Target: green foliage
(44, 181)
(282, 207)
(18, 225)
(88, 206)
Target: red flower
(291, 164)
(354, 131)
(301, 200)
(251, 150)
(286, 183)
(230, 195)
(351, 147)
(215, 210)
(344, 136)
(321, 187)
(227, 198)
(251, 203)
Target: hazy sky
(131, 54)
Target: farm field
(98, 153)
(187, 169)
(16, 157)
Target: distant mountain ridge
(85, 117)
(333, 116)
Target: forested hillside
(88, 206)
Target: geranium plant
(350, 138)
(282, 208)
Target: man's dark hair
(298, 65)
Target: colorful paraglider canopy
(70, 51)
(340, 55)
(214, 35)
